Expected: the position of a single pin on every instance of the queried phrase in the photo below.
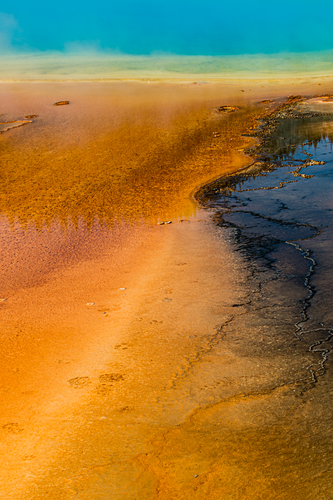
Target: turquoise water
(179, 27)
(174, 37)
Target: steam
(83, 47)
(9, 32)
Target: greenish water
(149, 38)
(95, 65)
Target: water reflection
(144, 168)
(78, 177)
(30, 255)
(286, 205)
(292, 135)
(279, 216)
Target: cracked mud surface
(265, 224)
(278, 215)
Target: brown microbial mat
(152, 347)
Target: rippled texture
(146, 361)
(114, 153)
(103, 65)
(278, 213)
(82, 258)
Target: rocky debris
(297, 173)
(309, 163)
(227, 109)
(29, 117)
(295, 98)
(61, 103)
(266, 101)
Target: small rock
(28, 117)
(166, 299)
(90, 303)
(310, 163)
(121, 288)
(228, 109)
(197, 475)
(2, 300)
(61, 103)
(164, 222)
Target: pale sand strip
(125, 385)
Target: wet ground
(278, 214)
(91, 284)
(184, 360)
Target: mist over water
(104, 65)
(187, 27)
(164, 39)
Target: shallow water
(83, 188)
(283, 218)
(235, 412)
(281, 222)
